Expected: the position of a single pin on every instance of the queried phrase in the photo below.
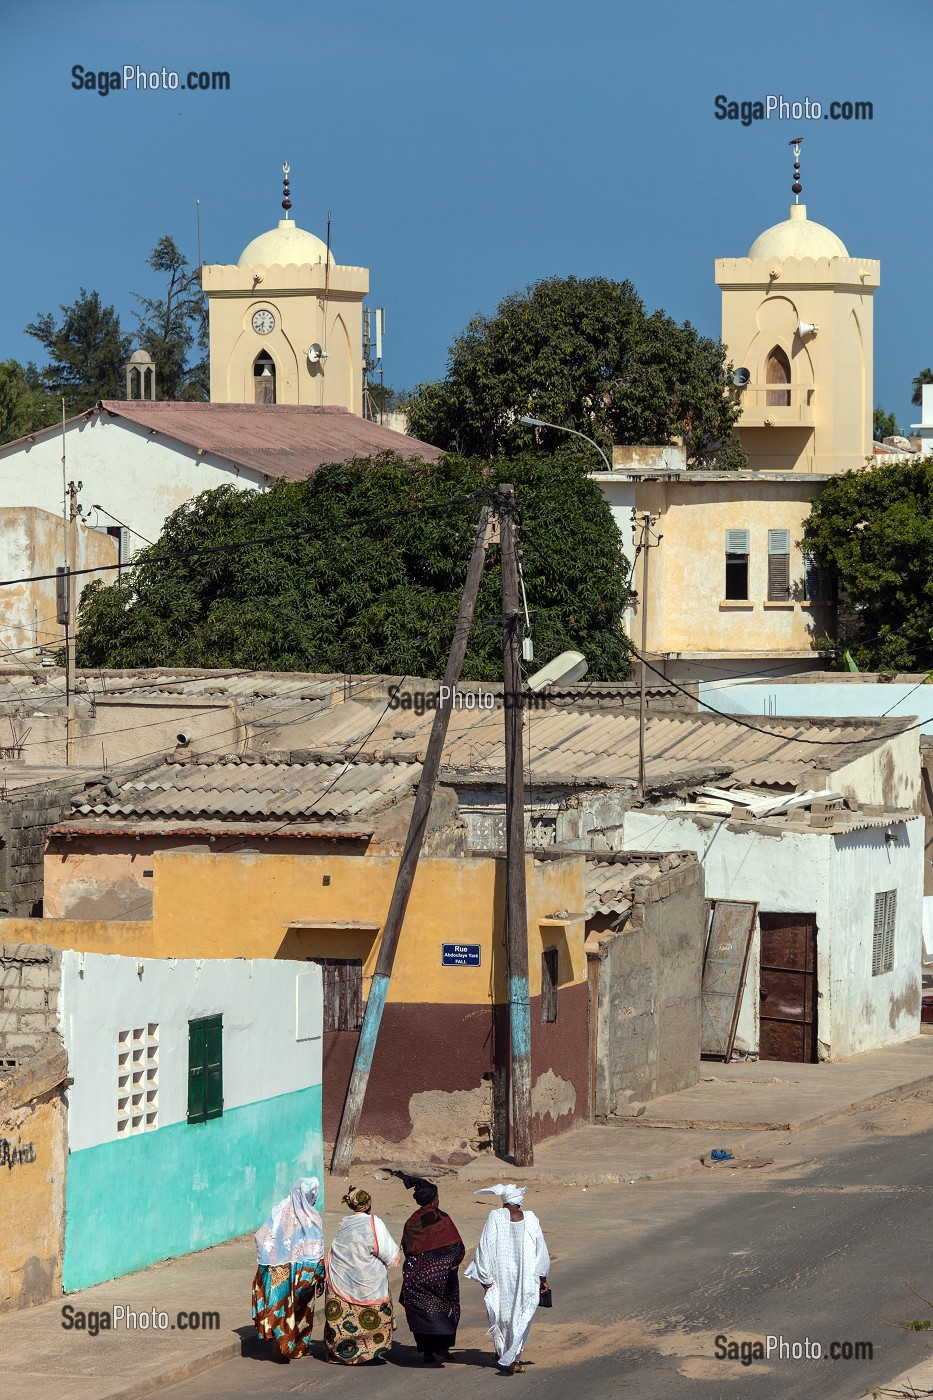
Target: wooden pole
(375, 1002)
(516, 915)
(645, 547)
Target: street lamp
(560, 428)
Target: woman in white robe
(358, 1305)
(512, 1264)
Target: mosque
(286, 321)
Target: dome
(798, 237)
(287, 243)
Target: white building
(834, 965)
(924, 430)
(196, 1102)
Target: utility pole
(516, 911)
(645, 545)
(74, 510)
(375, 1002)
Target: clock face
(263, 322)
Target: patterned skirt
(283, 1305)
(356, 1332)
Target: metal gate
(788, 991)
(728, 940)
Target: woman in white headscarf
(290, 1272)
(358, 1304)
(512, 1264)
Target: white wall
(835, 877)
(138, 477)
(868, 699)
(265, 1004)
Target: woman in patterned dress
(290, 1272)
(430, 1292)
(358, 1306)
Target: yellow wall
(827, 425)
(295, 296)
(687, 608)
(31, 1237)
(245, 904)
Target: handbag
(546, 1300)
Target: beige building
(797, 317)
(286, 322)
(730, 590)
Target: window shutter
(197, 1099)
(550, 971)
(812, 580)
(778, 578)
(890, 912)
(736, 541)
(779, 541)
(213, 1068)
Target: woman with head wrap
(433, 1253)
(512, 1264)
(358, 1307)
(290, 1273)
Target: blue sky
(466, 150)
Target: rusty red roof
(287, 441)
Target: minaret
(797, 314)
(286, 322)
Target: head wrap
(358, 1200)
(294, 1232)
(512, 1195)
(424, 1191)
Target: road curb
(174, 1375)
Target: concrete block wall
(30, 984)
(24, 826)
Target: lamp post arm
(560, 428)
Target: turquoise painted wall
(182, 1188)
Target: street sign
(460, 954)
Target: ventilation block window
(343, 992)
(779, 566)
(137, 1079)
(882, 943)
(737, 564)
(205, 1069)
(549, 974)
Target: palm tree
(924, 377)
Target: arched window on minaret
(778, 372)
(264, 377)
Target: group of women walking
(295, 1271)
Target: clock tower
(286, 322)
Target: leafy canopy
(173, 326)
(584, 354)
(25, 406)
(874, 529)
(87, 352)
(366, 592)
(883, 425)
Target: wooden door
(788, 992)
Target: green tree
(873, 529)
(731, 457)
(582, 353)
(366, 588)
(25, 406)
(87, 351)
(924, 377)
(883, 424)
(172, 327)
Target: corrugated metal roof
(286, 441)
(249, 787)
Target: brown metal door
(788, 988)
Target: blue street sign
(460, 954)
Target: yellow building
(797, 322)
(286, 322)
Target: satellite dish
(563, 670)
(316, 354)
(741, 377)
